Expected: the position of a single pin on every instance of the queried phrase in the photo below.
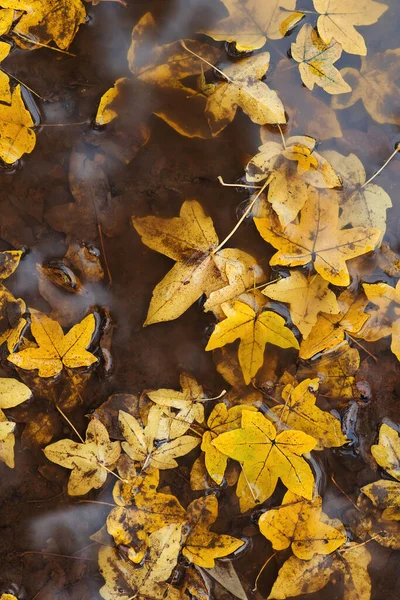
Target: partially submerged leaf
(336, 371)
(251, 22)
(297, 523)
(385, 495)
(17, 136)
(387, 451)
(299, 411)
(55, 349)
(254, 331)
(105, 113)
(384, 320)
(90, 462)
(317, 60)
(266, 456)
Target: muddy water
(36, 515)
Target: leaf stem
(24, 84)
(64, 416)
(344, 494)
(255, 588)
(242, 185)
(34, 43)
(362, 347)
(206, 61)
(379, 171)
(54, 554)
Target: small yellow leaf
(317, 60)
(254, 331)
(17, 136)
(297, 523)
(306, 296)
(385, 495)
(7, 441)
(266, 456)
(387, 451)
(105, 113)
(56, 350)
(89, 462)
(298, 411)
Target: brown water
(36, 514)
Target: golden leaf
(124, 581)
(47, 20)
(375, 85)
(336, 371)
(306, 296)
(220, 420)
(188, 403)
(243, 88)
(251, 22)
(317, 61)
(383, 321)
(6, 20)
(200, 545)
(298, 411)
(385, 495)
(295, 166)
(17, 136)
(90, 462)
(54, 349)
(265, 457)
(329, 330)
(339, 17)
(387, 451)
(297, 523)
(139, 444)
(12, 393)
(105, 112)
(360, 204)
(254, 331)
(317, 239)
(5, 92)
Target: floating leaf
(12, 393)
(387, 451)
(383, 321)
(17, 136)
(336, 371)
(105, 113)
(385, 495)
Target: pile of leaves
(288, 333)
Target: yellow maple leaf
(221, 419)
(90, 462)
(297, 523)
(330, 329)
(298, 576)
(12, 393)
(254, 330)
(306, 296)
(139, 444)
(317, 61)
(56, 350)
(251, 22)
(376, 85)
(316, 239)
(243, 87)
(360, 204)
(46, 20)
(200, 545)
(384, 320)
(105, 111)
(385, 495)
(339, 17)
(336, 371)
(189, 403)
(299, 411)
(295, 166)
(265, 457)
(124, 581)
(17, 136)
(387, 451)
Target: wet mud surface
(38, 521)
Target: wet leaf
(329, 330)
(296, 523)
(294, 166)
(306, 296)
(360, 204)
(265, 457)
(385, 495)
(5, 92)
(387, 451)
(254, 331)
(12, 393)
(327, 247)
(87, 461)
(384, 320)
(339, 18)
(47, 20)
(375, 85)
(243, 87)
(17, 136)
(336, 371)
(56, 350)
(190, 240)
(139, 444)
(123, 580)
(299, 411)
(225, 574)
(200, 545)
(251, 22)
(220, 420)
(188, 403)
(105, 113)
(317, 60)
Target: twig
(207, 63)
(344, 494)
(243, 185)
(379, 171)
(24, 84)
(24, 37)
(255, 588)
(104, 253)
(54, 554)
(70, 424)
(362, 347)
